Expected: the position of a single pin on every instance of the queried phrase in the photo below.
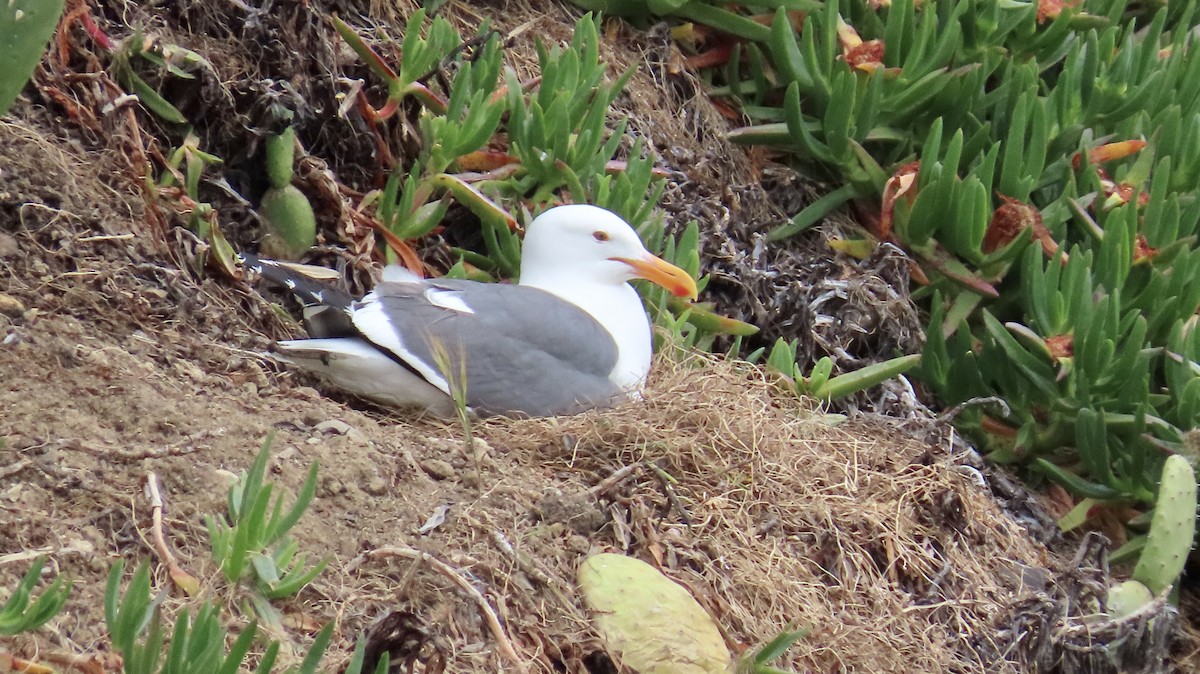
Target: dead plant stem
(184, 580)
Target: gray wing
(518, 349)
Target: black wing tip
(269, 269)
(308, 290)
(252, 262)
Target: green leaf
(239, 649)
(296, 579)
(267, 664)
(364, 51)
(817, 376)
(303, 500)
(864, 378)
(782, 358)
(1075, 484)
(775, 648)
(734, 24)
(1078, 515)
(128, 616)
(1091, 439)
(112, 589)
(25, 28)
(775, 133)
(786, 53)
(1128, 552)
(316, 651)
(150, 98)
(814, 212)
(1036, 372)
(709, 321)
(264, 568)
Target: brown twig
(15, 468)
(186, 581)
(503, 643)
(613, 480)
(531, 568)
(127, 456)
(90, 664)
(15, 664)
(667, 481)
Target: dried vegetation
(120, 360)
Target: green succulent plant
(22, 613)
(252, 542)
(286, 211)
(1040, 165)
(25, 28)
(1166, 546)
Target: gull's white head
(587, 244)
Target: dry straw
(769, 515)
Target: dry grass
(774, 518)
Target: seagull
(571, 335)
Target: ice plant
(252, 541)
(1040, 163)
(25, 28)
(20, 614)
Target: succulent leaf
(1171, 529)
(25, 28)
(649, 622)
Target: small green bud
(1127, 598)
(291, 224)
(281, 152)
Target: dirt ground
(120, 361)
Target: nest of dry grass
(771, 517)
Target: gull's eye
(600, 235)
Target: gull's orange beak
(658, 271)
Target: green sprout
(759, 660)
(422, 52)
(820, 384)
(454, 369)
(22, 613)
(252, 543)
(128, 614)
(168, 57)
(180, 184)
(195, 645)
